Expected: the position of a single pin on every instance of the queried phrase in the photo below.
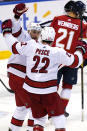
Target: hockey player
(17, 69)
(41, 74)
(68, 31)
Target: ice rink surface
(74, 123)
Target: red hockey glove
(7, 26)
(19, 10)
(82, 46)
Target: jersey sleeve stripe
(14, 50)
(17, 33)
(76, 62)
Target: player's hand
(82, 46)
(19, 9)
(7, 26)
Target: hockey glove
(82, 46)
(19, 10)
(7, 26)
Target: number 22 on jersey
(63, 36)
(37, 60)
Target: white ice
(74, 123)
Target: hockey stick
(46, 23)
(9, 90)
(82, 95)
(82, 83)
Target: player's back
(42, 66)
(68, 31)
(44, 59)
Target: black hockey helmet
(77, 7)
(70, 6)
(81, 7)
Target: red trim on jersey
(30, 122)
(61, 129)
(17, 122)
(76, 61)
(18, 67)
(17, 33)
(38, 128)
(14, 50)
(66, 86)
(40, 85)
(59, 65)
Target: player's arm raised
(15, 46)
(17, 30)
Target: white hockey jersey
(17, 63)
(42, 64)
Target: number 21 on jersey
(63, 36)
